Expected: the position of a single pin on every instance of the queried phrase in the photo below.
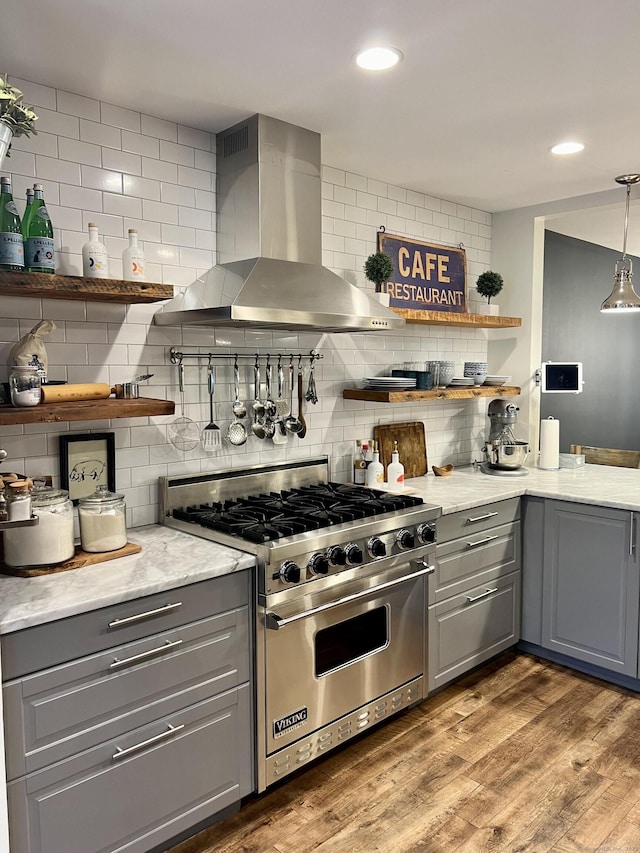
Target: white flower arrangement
(18, 117)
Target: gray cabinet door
(590, 585)
(470, 628)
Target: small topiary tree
(489, 284)
(378, 268)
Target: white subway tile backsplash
(160, 212)
(193, 218)
(174, 194)
(178, 235)
(195, 138)
(79, 152)
(101, 179)
(197, 178)
(161, 254)
(22, 163)
(196, 258)
(171, 152)
(43, 143)
(35, 94)
(100, 134)
(159, 128)
(76, 197)
(159, 170)
(78, 105)
(205, 200)
(137, 143)
(120, 117)
(141, 187)
(205, 160)
(107, 225)
(122, 161)
(122, 205)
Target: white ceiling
(485, 87)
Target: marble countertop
(601, 485)
(169, 559)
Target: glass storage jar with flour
(103, 525)
(50, 541)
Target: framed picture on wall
(86, 462)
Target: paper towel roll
(549, 443)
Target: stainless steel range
(341, 609)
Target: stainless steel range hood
(270, 242)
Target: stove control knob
(427, 533)
(337, 555)
(376, 547)
(290, 572)
(354, 554)
(318, 564)
(405, 539)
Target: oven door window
(351, 640)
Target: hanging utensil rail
(177, 356)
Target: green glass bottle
(25, 215)
(39, 252)
(11, 245)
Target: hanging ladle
(257, 427)
(291, 422)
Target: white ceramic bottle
(395, 471)
(95, 263)
(133, 259)
(375, 469)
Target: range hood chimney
(269, 242)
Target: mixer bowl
(508, 456)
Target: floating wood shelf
(86, 410)
(46, 285)
(434, 394)
(447, 318)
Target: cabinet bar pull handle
(484, 594)
(138, 617)
(275, 622)
(481, 517)
(632, 534)
(168, 646)
(481, 542)
(123, 753)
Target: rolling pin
(70, 393)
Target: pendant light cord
(626, 223)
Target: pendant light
(623, 298)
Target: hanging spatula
(211, 434)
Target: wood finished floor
(521, 755)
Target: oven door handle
(275, 622)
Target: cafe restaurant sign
(425, 276)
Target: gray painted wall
(578, 276)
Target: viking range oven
(341, 598)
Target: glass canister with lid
(50, 541)
(103, 524)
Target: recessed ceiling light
(567, 148)
(378, 58)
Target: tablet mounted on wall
(562, 377)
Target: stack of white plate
(496, 380)
(464, 382)
(389, 383)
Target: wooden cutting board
(78, 561)
(412, 446)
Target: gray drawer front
(94, 803)
(47, 645)
(478, 518)
(56, 713)
(463, 634)
(474, 559)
